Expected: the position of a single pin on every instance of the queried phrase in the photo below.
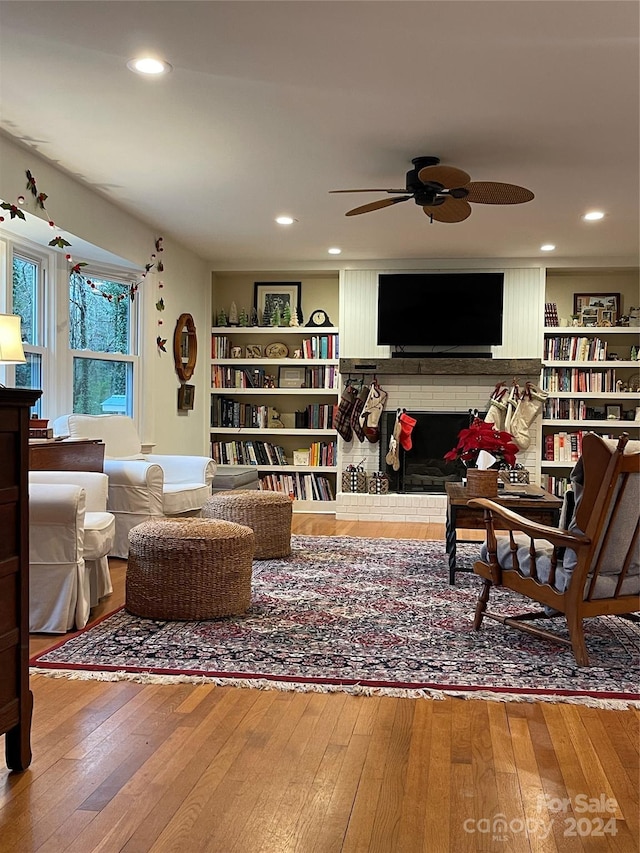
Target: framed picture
(186, 394)
(291, 377)
(614, 413)
(274, 299)
(254, 351)
(597, 309)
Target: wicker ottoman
(268, 514)
(189, 568)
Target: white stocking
(528, 409)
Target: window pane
(99, 316)
(102, 387)
(29, 375)
(25, 296)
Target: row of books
(247, 453)
(226, 376)
(576, 379)
(572, 409)
(316, 416)
(575, 349)
(321, 346)
(232, 413)
(555, 485)
(322, 453)
(303, 487)
(563, 446)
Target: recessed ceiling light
(285, 220)
(547, 247)
(593, 216)
(334, 250)
(149, 65)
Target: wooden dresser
(82, 454)
(16, 700)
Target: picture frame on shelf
(254, 351)
(291, 377)
(597, 309)
(274, 298)
(301, 457)
(186, 397)
(613, 412)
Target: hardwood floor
(120, 766)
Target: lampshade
(11, 351)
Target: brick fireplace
(449, 385)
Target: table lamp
(11, 351)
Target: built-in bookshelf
(273, 395)
(592, 378)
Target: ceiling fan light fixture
(285, 220)
(149, 66)
(547, 247)
(593, 216)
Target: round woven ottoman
(189, 568)
(268, 514)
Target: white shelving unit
(625, 394)
(285, 400)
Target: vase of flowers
(483, 448)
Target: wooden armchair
(591, 569)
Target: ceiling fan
(443, 192)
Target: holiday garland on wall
(75, 267)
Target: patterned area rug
(367, 616)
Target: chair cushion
(184, 497)
(99, 534)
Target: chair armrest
(55, 503)
(184, 469)
(133, 472)
(561, 538)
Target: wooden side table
(540, 506)
(71, 455)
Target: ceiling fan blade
(451, 210)
(491, 192)
(448, 176)
(369, 191)
(376, 205)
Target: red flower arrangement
(481, 435)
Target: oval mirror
(185, 347)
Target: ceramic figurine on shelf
(243, 317)
(222, 318)
(233, 315)
(253, 317)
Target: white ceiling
(272, 104)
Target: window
(102, 340)
(27, 301)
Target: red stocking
(407, 425)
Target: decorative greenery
(481, 435)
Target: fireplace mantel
(450, 366)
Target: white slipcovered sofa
(142, 487)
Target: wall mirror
(185, 347)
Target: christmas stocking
(393, 457)
(370, 417)
(358, 406)
(497, 410)
(512, 405)
(528, 409)
(342, 417)
(407, 424)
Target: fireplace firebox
(423, 468)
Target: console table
(540, 506)
(70, 455)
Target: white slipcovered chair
(142, 486)
(70, 535)
(99, 525)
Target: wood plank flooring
(139, 768)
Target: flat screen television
(440, 309)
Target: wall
(85, 214)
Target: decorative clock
(185, 347)
(276, 350)
(319, 318)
